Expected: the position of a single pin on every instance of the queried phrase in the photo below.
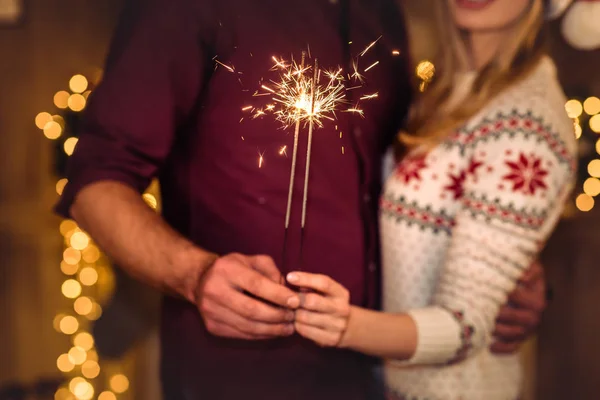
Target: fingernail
(290, 316)
(292, 277)
(289, 329)
(293, 302)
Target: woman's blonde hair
(431, 121)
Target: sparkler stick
(309, 149)
(311, 124)
(292, 179)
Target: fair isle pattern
(459, 226)
(512, 124)
(506, 213)
(411, 213)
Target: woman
(490, 166)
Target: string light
(88, 276)
(578, 111)
(574, 108)
(591, 105)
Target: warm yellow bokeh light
(42, 119)
(594, 168)
(150, 200)
(595, 123)
(578, 131)
(591, 105)
(68, 325)
(84, 340)
(107, 396)
(63, 394)
(591, 187)
(584, 202)
(78, 84)
(56, 322)
(119, 383)
(95, 313)
(90, 369)
(67, 226)
(74, 382)
(71, 288)
(86, 94)
(59, 120)
(90, 254)
(71, 256)
(83, 306)
(83, 391)
(52, 130)
(574, 108)
(77, 102)
(77, 355)
(60, 185)
(64, 364)
(61, 99)
(79, 240)
(68, 269)
(88, 276)
(69, 145)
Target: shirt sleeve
(152, 81)
(513, 194)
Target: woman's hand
(324, 310)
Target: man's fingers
(510, 333)
(257, 330)
(517, 316)
(264, 288)
(533, 274)
(256, 310)
(529, 297)
(266, 266)
(320, 336)
(318, 282)
(505, 348)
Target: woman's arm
(506, 214)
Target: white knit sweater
(461, 224)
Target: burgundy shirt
(166, 109)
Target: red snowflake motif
(456, 185)
(458, 180)
(410, 168)
(526, 174)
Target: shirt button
(367, 198)
(357, 132)
(333, 1)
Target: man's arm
(155, 73)
(146, 247)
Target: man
(170, 105)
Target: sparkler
(306, 95)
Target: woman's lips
(473, 4)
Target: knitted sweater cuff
(438, 336)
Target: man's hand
(519, 318)
(241, 297)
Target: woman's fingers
(320, 283)
(328, 322)
(318, 303)
(321, 337)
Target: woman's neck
(483, 47)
